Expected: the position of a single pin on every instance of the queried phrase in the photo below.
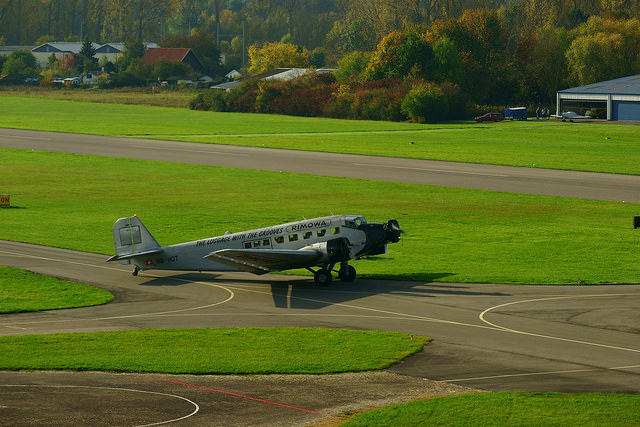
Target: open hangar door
(585, 107)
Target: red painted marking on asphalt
(233, 394)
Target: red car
(489, 117)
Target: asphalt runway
(448, 174)
(486, 337)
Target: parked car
(489, 117)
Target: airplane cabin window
(293, 237)
(256, 244)
(280, 239)
(247, 245)
(307, 235)
(335, 230)
(321, 233)
(266, 242)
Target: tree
(448, 62)
(276, 55)
(351, 67)
(545, 69)
(604, 49)
(87, 56)
(20, 64)
(481, 37)
(401, 55)
(164, 69)
(133, 50)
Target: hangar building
(617, 99)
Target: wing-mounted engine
(332, 251)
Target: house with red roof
(170, 54)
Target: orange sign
(5, 200)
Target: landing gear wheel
(322, 277)
(135, 271)
(347, 273)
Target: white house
(60, 49)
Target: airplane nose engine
(378, 235)
(392, 231)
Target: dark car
(489, 117)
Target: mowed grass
(455, 235)
(509, 409)
(211, 351)
(542, 144)
(137, 96)
(22, 291)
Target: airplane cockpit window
(354, 221)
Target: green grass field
(457, 235)
(211, 351)
(22, 291)
(509, 409)
(543, 144)
(454, 235)
(133, 96)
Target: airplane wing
(261, 261)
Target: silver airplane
(570, 115)
(315, 244)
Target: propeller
(392, 231)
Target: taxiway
(488, 337)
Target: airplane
(316, 244)
(570, 115)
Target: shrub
(425, 102)
(215, 100)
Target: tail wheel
(323, 277)
(135, 271)
(347, 273)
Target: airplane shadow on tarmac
(181, 279)
(303, 293)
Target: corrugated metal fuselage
(290, 236)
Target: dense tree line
(470, 51)
(446, 69)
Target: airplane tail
(131, 239)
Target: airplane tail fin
(131, 238)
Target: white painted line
(213, 285)
(182, 150)
(594, 344)
(197, 407)
(530, 374)
(25, 137)
(430, 170)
